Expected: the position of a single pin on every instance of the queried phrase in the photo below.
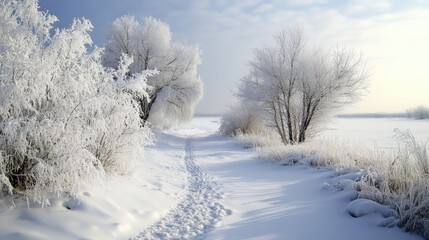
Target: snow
(362, 207)
(269, 201)
(121, 209)
(196, 214)
(376, 131)
(195, 183)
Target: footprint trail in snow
(196, 214)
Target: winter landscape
(214, 120)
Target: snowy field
(377, 132)
(194, 183)
(82, 155)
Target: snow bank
(362, 207)
(123, 208)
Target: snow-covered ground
(121, 209)
(269, 201)
(195, 183)
(377, 132)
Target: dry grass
(399, 179)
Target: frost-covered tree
(176, 90)
(64, 120)
(297, 87)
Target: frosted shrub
(64, 119)
(120, 137)
(406, 184)
(242, 119)
(260, 139)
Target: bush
(64, 119)
(242, 119)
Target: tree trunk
(146, 106)
(289, 125)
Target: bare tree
(297, 88)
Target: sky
(393, 37)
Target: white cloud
(306, 2)
(364, 6)
(264, 8)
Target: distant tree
(298, 88)
(419, 112)
(176, 90)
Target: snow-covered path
(196, 214)
(281, 202)
(265, 201)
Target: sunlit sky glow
(393, 36)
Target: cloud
(304, 2)
(365, 6)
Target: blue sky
(393, 36)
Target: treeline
(372, 115)
(419, 112)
